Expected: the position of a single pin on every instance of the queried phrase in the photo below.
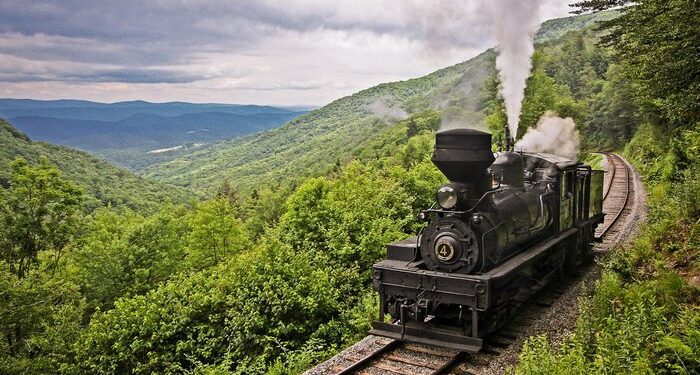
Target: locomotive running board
(452, 339)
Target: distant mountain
(313, 143)
(103, 183)
(125, 132)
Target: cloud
(308, 50)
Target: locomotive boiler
(502, 227)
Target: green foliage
(349, 219)
(40, 320)
(625, 328)
(272, 307)
(615, 113)
(643, 315)
(263, 209)
(272, 275)
(215, 235)
(543, 94)
(567, 77)
(124, 254)
(102, 183)
(245, 313)
(657, 44)
(40, 212)
(556, 28)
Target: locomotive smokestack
(463, 154)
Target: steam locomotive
(503, 226)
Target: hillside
(318, 139)
(136, 134)
(101, 182)
(313, 143)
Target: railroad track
(616, 197)
(394, 357)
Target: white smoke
(461, 118)
(386, 109)
(515, 23)
(553, 135)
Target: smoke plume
(515, 23)
(386, 109)
(554, 135)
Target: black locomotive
(505, 225)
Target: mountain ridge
(124, 132)
(103, 184)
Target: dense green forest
(270, 277)
(102, 183)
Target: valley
(125, 133)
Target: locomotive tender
(504, 227)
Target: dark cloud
(262, 46)
(136, 76)
(160, 32)
(121, 75)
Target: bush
(241, 315)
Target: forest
(115, 275)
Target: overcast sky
(261, 52)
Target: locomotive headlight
(447, 197)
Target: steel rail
(617, 161)
(450, 364)
(612, 175)
(387, 352)
(364, 361)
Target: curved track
(616, 196)
(385, 356)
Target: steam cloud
(553, 135)
(515, 23)
(386, 109)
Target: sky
(274, 52)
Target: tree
(265, 208)
(215, 233)
(657, 43)
(41, 212)
(614, 111)
(240, 315)
(124, 253)
(349, 219)
(543, 94)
